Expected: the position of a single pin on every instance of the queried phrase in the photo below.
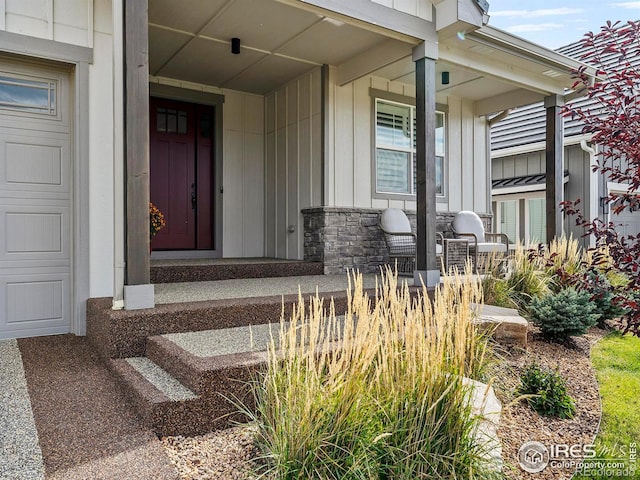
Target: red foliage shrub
(612, 117)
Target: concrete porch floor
(162, 262)
(184, 292)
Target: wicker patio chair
(401, 241)
(467, 224)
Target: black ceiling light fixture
(445, 78)
(235, 46)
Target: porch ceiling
(190, 41)
(494, 80)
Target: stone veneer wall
(345, 238)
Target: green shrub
(563, 314)
(602, 295)
(546, 392)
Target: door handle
(193, 197)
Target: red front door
(181, 173)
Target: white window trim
(411, 105)
(614, 187)
(410, 150)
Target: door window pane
(508, 220)
(205, 125)
(169, 120)
(182, 122)
(161, 120)
(537, 221)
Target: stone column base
(430, 278)
(137, 297)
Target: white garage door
(35, 200)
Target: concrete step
(199, 271)
(168, 407)
(123, 333)
(218, 366)
(207, 361)
(193, 383)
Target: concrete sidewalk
(85, 426)
(20, 454)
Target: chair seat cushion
(489, 247)
(394, 220)
(468, 222)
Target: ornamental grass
(378, 393)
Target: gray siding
(527, 125)
(518, 165)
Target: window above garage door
(28, 94)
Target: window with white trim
(522, 217)
(395, 156)
(28, 95)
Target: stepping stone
(509, 328)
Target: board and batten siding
(531, 163)
(243, 175)
(417, 8)
(293, 162)
(67, 21)
(349, 166)
(467, 164)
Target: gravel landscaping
(228, 454)
(224, 454)
(519, 423)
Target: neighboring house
(285, 143)
(518, 174)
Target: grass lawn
(617, 363)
